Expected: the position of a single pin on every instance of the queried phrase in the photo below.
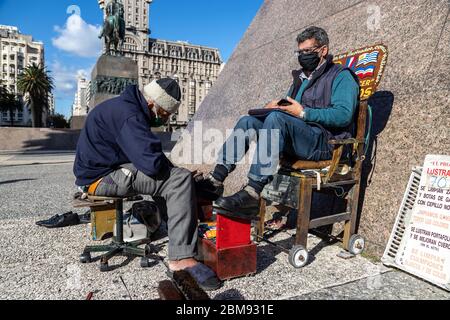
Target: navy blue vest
(318, 94)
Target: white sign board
(425, 246)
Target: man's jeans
(278, 133)
(176, 187)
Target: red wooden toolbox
(233, 255)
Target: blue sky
(218, 24)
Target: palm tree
(9, 103)
(3, 91)
(36, 84)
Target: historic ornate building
(195, 67)
(17, 51)
(81, 104)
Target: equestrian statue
(114, 27)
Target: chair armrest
(345, 142)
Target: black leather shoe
(209, 189)
(85, 218)
(60, 221)
(241, 205)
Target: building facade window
(157, 58)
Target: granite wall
(35, 139)
(411, 110)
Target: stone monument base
(110, 76)
(77, 122)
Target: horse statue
(114, 27)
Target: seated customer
(118, 155)
(321, 106)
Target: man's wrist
(302, 114)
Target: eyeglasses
(307, 51)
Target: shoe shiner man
(320, 106)
(119, 155)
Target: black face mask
(309, 62)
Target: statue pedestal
(78, 122)
(110, 76)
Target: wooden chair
(308, 172)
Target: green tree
(9, 103)
(58, 121)
(36, 84)
(3, 91)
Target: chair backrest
(368, 64)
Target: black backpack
(147, 213)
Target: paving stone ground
(37, 263)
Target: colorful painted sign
(368, 64)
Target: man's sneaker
(60, 221)
(242, 205)
(209, 188)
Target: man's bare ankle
(182, 264)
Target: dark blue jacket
(117, 132)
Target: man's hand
(295, 109)
(198, 176)
(273, 105)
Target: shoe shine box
(233, 254)
(103, 220)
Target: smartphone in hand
(284, 103)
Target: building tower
(195, 67)
(17, 51)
